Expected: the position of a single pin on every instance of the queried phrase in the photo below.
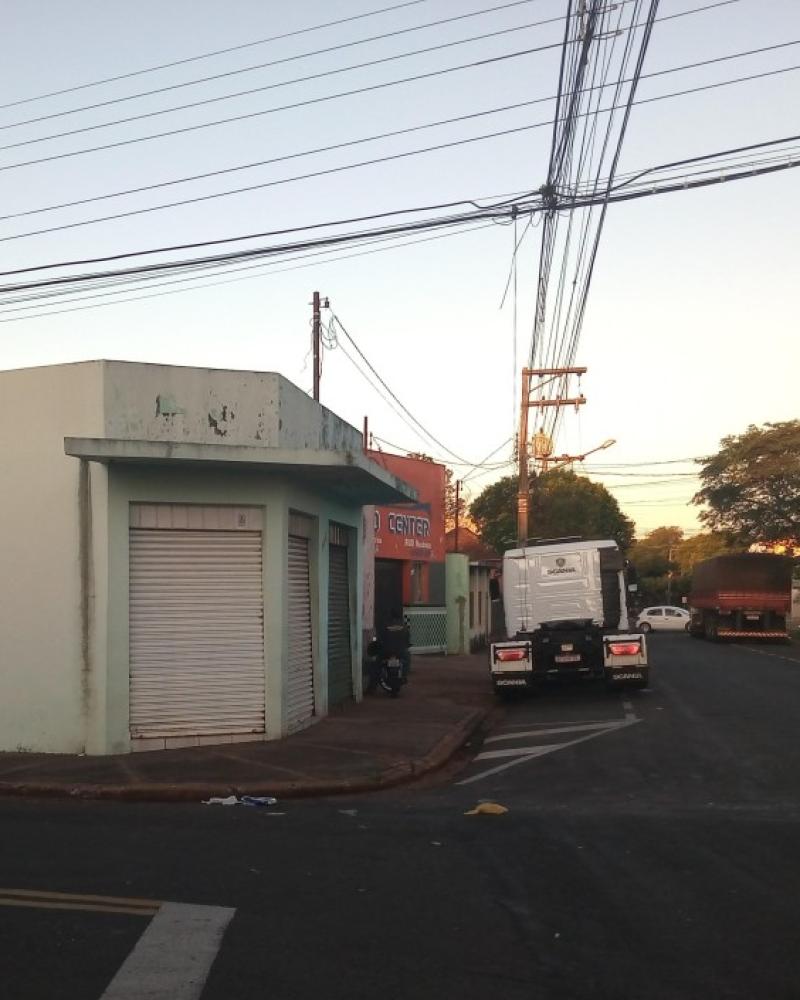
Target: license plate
(566, 647)
(568, 658)
(752, 618)
(510, 682)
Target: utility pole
(315, 336)
(526, 404)
(458, 504)
(669, 575)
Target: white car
(663, 618)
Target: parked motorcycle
(385, 668)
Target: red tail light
(506, 655)
(624, 648)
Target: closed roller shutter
(196, 633)
(300, 673)
(340, 662)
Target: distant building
(469, 542)
(409, 538)
(485, 565)
(182, 557)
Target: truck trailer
(566, 616)
(744, 596)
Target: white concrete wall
(48, 606)
(214, 406)
(64, 667)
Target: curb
(397, 774)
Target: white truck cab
(566, 614)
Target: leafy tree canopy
(562, 503)
(751, 487)
(704, 546)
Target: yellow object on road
(487, 809)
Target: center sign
(403, 532)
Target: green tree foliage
(703, 546)
(562, 503)
(664, 560)
(751, 487)
(654, 555)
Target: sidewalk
(378, 743)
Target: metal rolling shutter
(340, 657)
(300, 672)
(196, 633)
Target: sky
(691, 328)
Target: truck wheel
(711, 630)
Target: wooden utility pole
(523, 497)
(526, 404)
(315, 336)
(458, 504)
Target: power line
(252, 236)
(274, 86)
(382, 159)
(215, 52)
(198, 272)
(332, 259)
(448, 461)
(392, 394)
(476, 469)
(314, 53)
(502, 210)
(254, 114)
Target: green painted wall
(277, 495)
(457, 601)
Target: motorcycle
(385, 670)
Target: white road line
(517, 752)
(555, 722)
(775, 656)
(627, 708)
(173, 957)
(576, 728)
(544, 750)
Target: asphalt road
(649, 851)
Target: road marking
(517, 752)
(534, 752)
(173, 957)
(775, 656)
(37, 899)
(576, 728)
(557, 722)
(627, 708)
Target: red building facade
(410, 538)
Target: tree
(562, 503)
(654, 558)
(453, 506)
(654, 555)
(704, 546)
(751, 487)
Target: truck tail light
(507, 655)
(624, 648)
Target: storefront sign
(403, 532)
(412, 531)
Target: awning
(347, 475)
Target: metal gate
(340, 656)
(300, 671)
(196, 626)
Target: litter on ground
(487, 809)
